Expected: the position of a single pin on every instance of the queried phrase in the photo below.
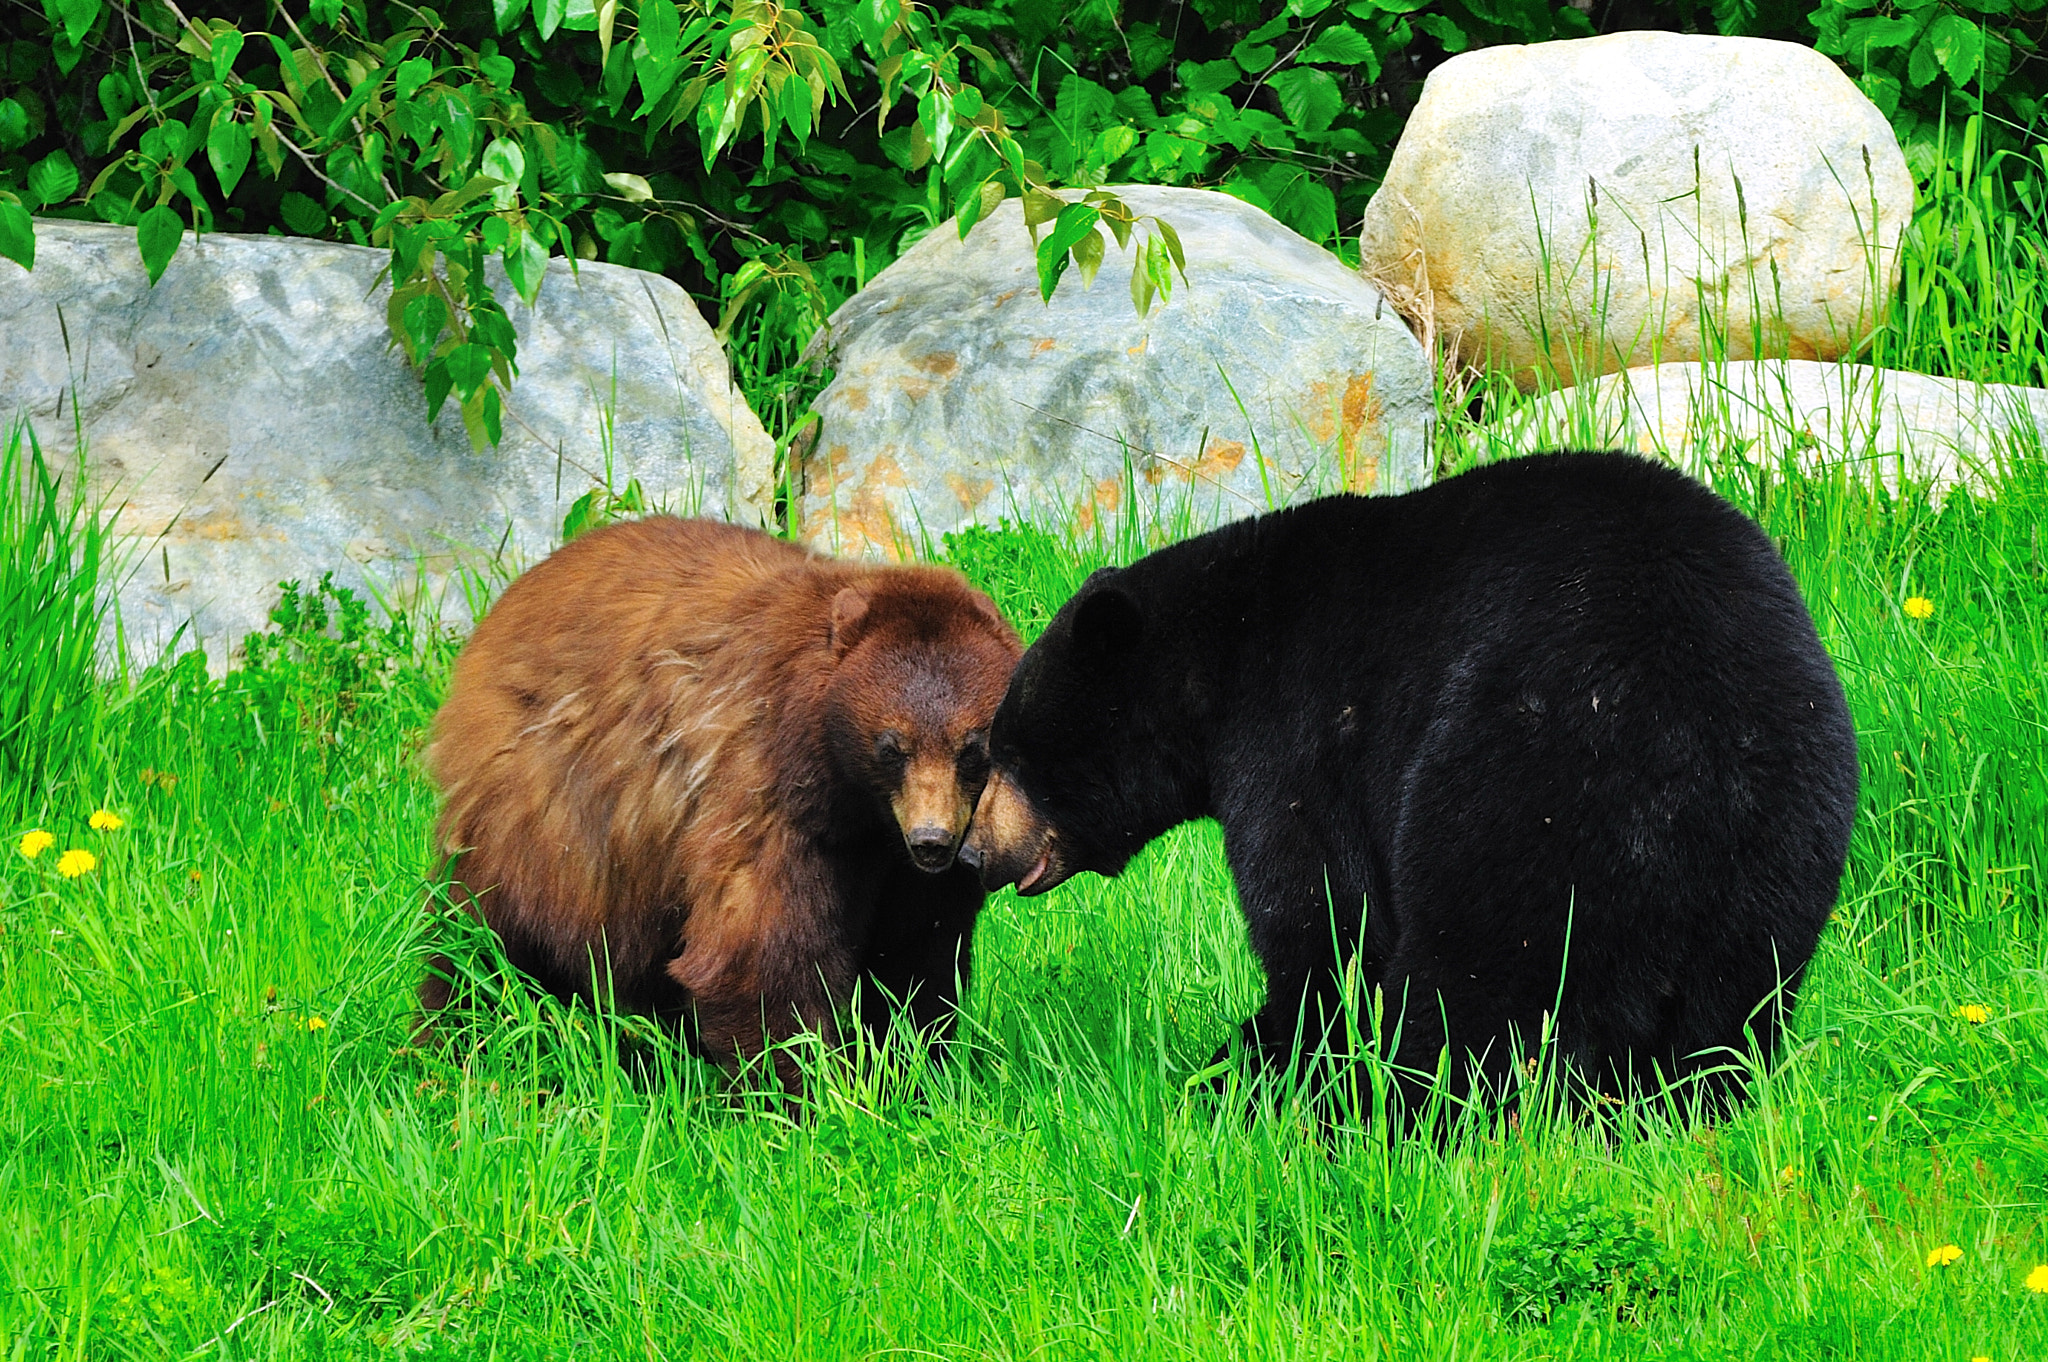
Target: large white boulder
(1567, 209)
(253, 423)
(1274, 372)
(1879, 423)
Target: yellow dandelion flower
(1974, 1013)
(1918, 607)
(194, 875)
(2037, 1280)
(1789, 1174)
(1944, 1255)
(104, 820)
(1980, 1358)
(76, 862)
(315, 1024)
(35, 842)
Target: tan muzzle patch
(932, 811)
(1009, 840)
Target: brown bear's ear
(849, 612)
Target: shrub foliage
(772, 156)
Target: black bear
(1553, 738)
(727, 774)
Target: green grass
(191, 1167)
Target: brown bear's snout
(932, 811)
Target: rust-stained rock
(1566, 209)
(253, 423)
(959, 397)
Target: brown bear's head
(921, 661)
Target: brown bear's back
(587, 746)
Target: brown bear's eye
(890, 748)
(974, 764)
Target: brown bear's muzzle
(932, 812)
(1009, 842)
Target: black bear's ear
(1108, 622)
(849, 613)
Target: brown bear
(725, 778)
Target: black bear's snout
(931, 847)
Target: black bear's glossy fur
(1572, 694)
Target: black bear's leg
(1468, 1023)
(1302, 926)
(918, 950)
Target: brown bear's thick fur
(707, 765)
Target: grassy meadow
(217, 1142)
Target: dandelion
(1976, 1014)
(315, 1024)
(193, 875)
(104, 820)
(35, 842)
(1944, 1255)
(1918, 607)
(76, 862)
(1789, 1174)
(2037, 1280)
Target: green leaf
(412, 74)
(1088, 257)
(505, 161)
(1309, 96)
(796, 110)
(507, 12)
(301, 214)
(1308, 9)
(1958, 44)
(439, 384)
(1448, 35)
(631, 188)
(1864, 36)
(1112, 145)
(13, 124)
(1254, 57)
(526, 265)
(1075, 221)
(1923, 66)
(52, 179)
(480, 416)
(157, 237)
(17, 235)
(78, 17)
(1342, 45)
(425, 316)
(468, 366)
(1207, 77)
(227, 147)
(227, 45)
(547, 16)
(661, 29)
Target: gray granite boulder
(253, 423)
(1567, 209)
(959, 397)
(1939, 432)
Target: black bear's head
(1084, 771)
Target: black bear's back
(1572, 696)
